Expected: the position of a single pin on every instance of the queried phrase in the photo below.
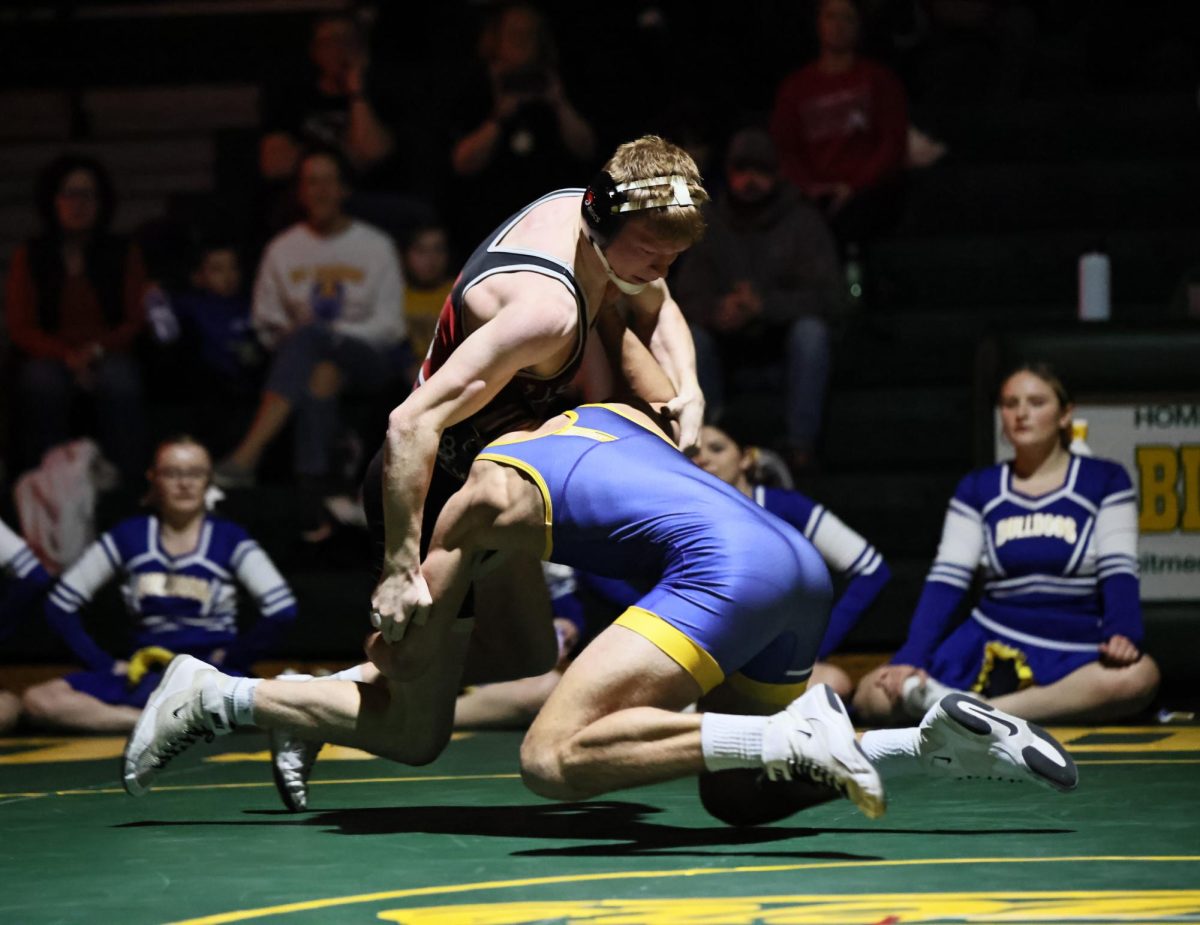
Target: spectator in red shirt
(840, 125)
(74, 307)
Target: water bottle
(160, 315)
(1094, 300)
(854, 274)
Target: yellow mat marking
(832, 909)
(102, 748)
(1175, 738)
(47, 751)
(179, 788)
(451, 889)
(328, 753)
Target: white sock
(894, 752)
(935, 690)
(729, 741)
(354, 673)
(237, 695)
(212, 701)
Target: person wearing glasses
(73, 306)
(179, 568)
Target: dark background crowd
(894, 182)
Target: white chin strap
(679, 196)
(624, 285)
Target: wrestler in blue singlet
(734, 588)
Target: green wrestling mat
(461, 841)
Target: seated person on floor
(22, 581)
(846, 553)
(1057, 633)
(180, 567)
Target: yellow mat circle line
(314, 904)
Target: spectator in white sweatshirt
(329, 302)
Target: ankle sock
(354, 673)
(894, 752)
(237, 701)
(212, 702)
(729, 741)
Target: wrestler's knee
(546, 767)
(416, 743)
(418, 750)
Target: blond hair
(652, 156)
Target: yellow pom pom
(147, 659)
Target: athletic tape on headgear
(604, 199)
(679, 193)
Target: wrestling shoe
(292, 760)
(186, 706)
(967, 738)
(814, 738)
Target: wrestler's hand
(401, 599)
(688, 410)
(1118, 651)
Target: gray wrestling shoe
(814, 738)
(966, 738)
(186, 706)
(292, 760)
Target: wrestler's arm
(659, 323)
(636, 373)
(534, 325)
(645, 385)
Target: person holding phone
(520, 132)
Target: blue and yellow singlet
(734, 588)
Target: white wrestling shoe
(965, 738)
(813, 738)
(186, 706)
(292, 760)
